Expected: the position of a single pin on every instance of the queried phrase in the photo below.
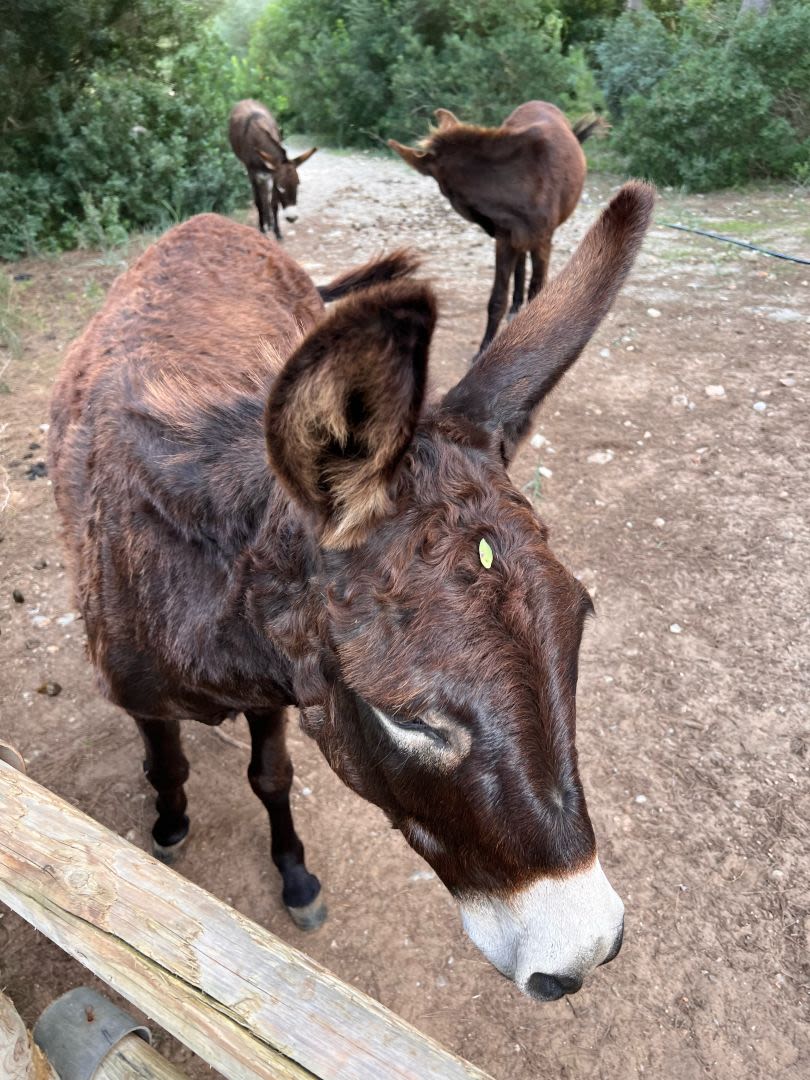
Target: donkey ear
(445, 118)
(307, 154)
(343, 411)
(270, 163)
(510, 379)
(421, 160)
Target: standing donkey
(518, 182)
(256, 141)
(263, 512)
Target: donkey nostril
(552, 987)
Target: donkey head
(453, 632)
(488, 175)
(284, 173)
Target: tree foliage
(721, 99)
(113, 117)
(359, 70)
(113, 112)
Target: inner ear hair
(421, 160)
(344, 408)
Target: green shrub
(135, 139)
(633, 56)
(723, 100)
(356, 71)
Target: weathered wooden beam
(247, 1003)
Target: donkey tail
(590, 125)
(399, 264)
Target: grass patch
(11, 321)
(735, 227)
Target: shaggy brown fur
(518, 182)
(342, 575)
(256, 140)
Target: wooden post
(86, 1036)
(12, 757)
(251, 1006)
(134, 1059)
(20, 1059)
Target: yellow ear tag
(485, 554)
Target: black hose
(739, 243)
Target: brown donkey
(262, 512)
(518, 182)
(256, 141)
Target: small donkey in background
(256, 141)
(518, 182)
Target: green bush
(136, 138)
(356, 71)
(633, 56)
(722, 100)
(708, 125)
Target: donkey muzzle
(548, 936)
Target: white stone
(659, 523)
(544, 471)
(760, 406)
(715, 391)
(675, 628)
(653, 312)
(538, 440)
(600, 457)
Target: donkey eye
(410, 723)
(409, 727)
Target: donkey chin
(547, 936)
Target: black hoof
(311, 916)
(166, 847)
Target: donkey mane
(496, 143)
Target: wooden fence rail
(243, 1000)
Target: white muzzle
(548, 935)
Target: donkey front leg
(505, 258)
(519, 293)
(270, 774)
(258, 181)
(166, 769)
(274, 212)
(541, 256)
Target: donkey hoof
(168, 849)
(311, 915)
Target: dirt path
(686, 515)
